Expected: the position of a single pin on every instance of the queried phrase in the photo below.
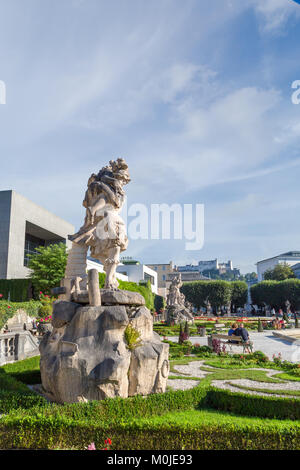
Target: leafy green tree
(275, 293)
(217, 292)
(239, 293)
(48, 266)
(159, 303)
(279, 273)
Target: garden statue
(208, 306)
(102, 343)
(103, 229)
(175, 296)
(177, 310)
(287, 306)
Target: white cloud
(275, 14)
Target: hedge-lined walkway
(268, 381)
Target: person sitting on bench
(231, 332)
(241, 331)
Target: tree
(159, 303)
(275, 293)
(279, 273)
(239, 293)
(217, 292)
(48, 266)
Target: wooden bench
(226, 339)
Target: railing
(15, 346)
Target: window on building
(164, 268)
(147, 277)
(31, 244)
(164, 277)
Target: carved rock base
(86, 356)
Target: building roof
(288, 254)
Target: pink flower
(91, 446)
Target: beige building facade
(163, 271)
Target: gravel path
(265, 342)
(224, 385)
(181, 384)
(193, 370)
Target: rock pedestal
(89, 356)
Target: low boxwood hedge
(60, 432)
(253, 405)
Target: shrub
(48, 266)
(253, 405)
(9, 309)
(276, 292)
(132, 337)
(260, 328)
(16, 290)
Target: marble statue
(90, 353)
(177, 309)
(103, 230)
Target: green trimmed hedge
(253, 405)
(26, 371)
(17, 290)
(218, 292)
(15, 394)
(275, 293)
(42, 432)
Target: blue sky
(195, 95)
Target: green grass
(173, 420)
(269, 391)
(26, 371)
(287, 376)
(216, 418)
(226, 374)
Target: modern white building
(139, 272)
(291, 258)
(24, 226)
(94, 264)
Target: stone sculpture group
(178, 309)
(102, 343)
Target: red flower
(1, 295)
(8, 306)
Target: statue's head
(120, 170)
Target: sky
(195, 95)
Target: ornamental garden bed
(203, 417)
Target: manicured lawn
(217, 418)
(192, 419)
(27, 371)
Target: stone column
(76, 267)
(93, 288)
